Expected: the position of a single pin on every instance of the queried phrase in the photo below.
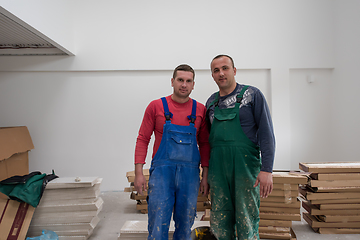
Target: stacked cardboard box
(15, 217)
(141, 203)
(69, 207)
(281, 207)
(332, 197)
(15, 143)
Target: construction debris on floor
(203, 202)
(332, 197)
(137, 230)
(69, 207)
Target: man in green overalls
(241, 128)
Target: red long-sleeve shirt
(154, 121)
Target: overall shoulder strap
(241, 94)
(192, 117)
(167, 113)
(215, 101)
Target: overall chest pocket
(225, 116)
(180, 146)
(224, 127)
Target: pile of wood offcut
(332, 197)
(69, 207)
(281, 207)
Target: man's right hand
(140, 181)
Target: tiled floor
(119, 208)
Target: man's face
(223, 72)
(183, 84)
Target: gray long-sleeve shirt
(255, 120)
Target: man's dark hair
(184, 67)
(223, 55)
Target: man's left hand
(266, 183)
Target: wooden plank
(70, 206)
(289, 177)
(131, 175)
(73, 182)
(284, 193)
(293, 235)
(335, 183)
(313, 196)
(337, 176)
(275, 223)
(279, 199)
(316, 223)
(339, 206)
(285, 186)
(313, 210)
(64, 217)
(331, 167)
(206, 216)
(309, 195)
(275, 235)
(272, 229)
(280, 216)
(340, 218)
(281, 205)
(335, 201)
(339, 230)
(66, 227)
(334, 189)
(70, 193)
(280, 210)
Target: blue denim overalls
(174, 180)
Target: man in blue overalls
(179, 125)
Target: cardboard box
(15, 142)
(15, 219)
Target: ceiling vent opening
(17, 38)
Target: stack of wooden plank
(69, 207)
(141, 203)
(332, 197)
(281, 207)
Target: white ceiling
(17, 38)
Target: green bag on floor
(28, 188)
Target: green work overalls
(234, 166)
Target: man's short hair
(183, 67)
(223, 55)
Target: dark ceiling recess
(18, 38)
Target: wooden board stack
(141, 203)
(332, 197)
(281, 207)
(69, 207)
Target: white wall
(113, 35)
(86, 123)
(310, 114)
(345, 100)
(83, 112)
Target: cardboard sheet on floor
(15, 218)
